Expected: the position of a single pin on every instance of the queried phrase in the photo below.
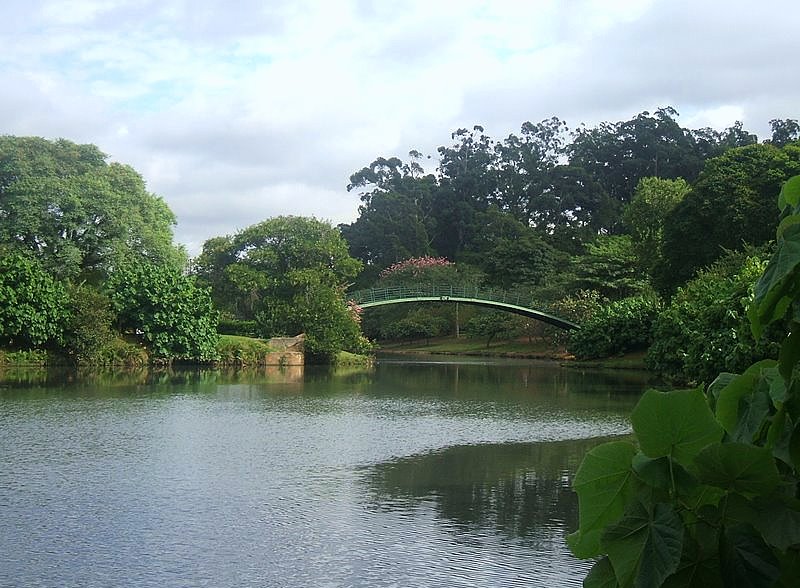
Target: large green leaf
(699, 568)
(777, 286)
(738, 467)
(663, 473)
(729, 399)
(776, 517)
(677, 424)
(604, 483)
(790, 353)
(645, 546)
(747, 562)
(790, 193)
(601, 575)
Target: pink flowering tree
(426, 270)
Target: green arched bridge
(497, 299)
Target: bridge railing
(373, 295)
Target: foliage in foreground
(708, 497)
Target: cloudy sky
(238, 110)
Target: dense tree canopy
(731, 204)
(288, 274)
(78, 214)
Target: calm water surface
(419, 472)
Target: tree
(784, 131)
(395, 218)
(467, 184)
(493, 324)
(508, 252)
(175, 318)
(33, 306)
(729, 206)
(523, 164)
(645, 215)
(77, 214)
(610, 267)
(289, 274)
(619, 154)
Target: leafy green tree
(645, 215)
(288, 274)
(784, 131)
(610, 267)
(730, 205)
(33, 306)
(88, 329)
(175, 319)
(523, 165)
(395, 218)
(508, 252)
(79, 215)
(619, 154)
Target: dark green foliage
(705, 329)
(644, 216)
(617, 327)
(232, 326)
(619, 154)
(731, 205)
(708, 498)
(88, 330)
(175, 318)
(33, 306)
(419, 323)
(611, 267)
(493, 324)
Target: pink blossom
(416, 265)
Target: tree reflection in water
(520, 490)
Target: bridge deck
(498, 299)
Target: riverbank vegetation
(647, 234)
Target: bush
(705, 328)
(175, 318)
(235, 350)
(88, 331)
(618, 327)
(241, 328)
(33, 306)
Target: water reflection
(520, 490)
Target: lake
(421, 471)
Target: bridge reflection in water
(518, 303)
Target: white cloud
(238, 111)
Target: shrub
(235, 350)
(88, 331)
(33, 306)
(705, 328)
(618, 327)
